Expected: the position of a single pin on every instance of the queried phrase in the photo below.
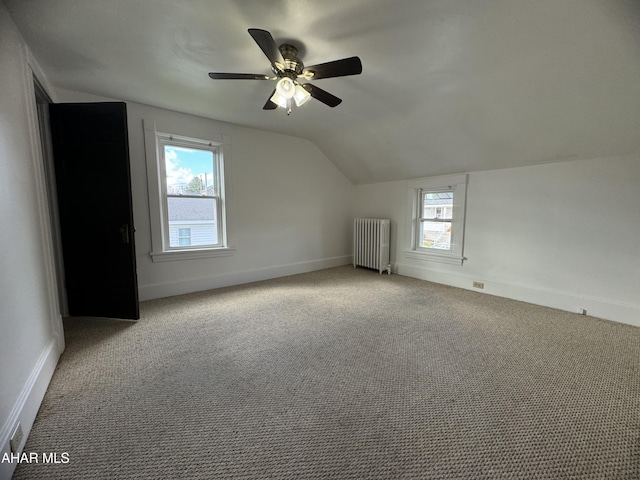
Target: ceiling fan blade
(337, 68)
(239, 76)
(268, 45)
(270, 105)
(323, 96)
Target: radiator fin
(371, 243)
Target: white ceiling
(447, 85)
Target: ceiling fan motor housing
(293, 66)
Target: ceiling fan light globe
(301, 95)
(285, 87)
(279, 100)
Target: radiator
(371, 243)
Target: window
(437, 206)
(186, 196)
(191, 194)
(184, 237)
(435, 219)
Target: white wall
(289, 208)
(30, 326)
(564, 235)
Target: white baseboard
(26, 406)
(168, 289)
(599, 307)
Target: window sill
(434, 257)
(173, 255)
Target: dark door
(91, 157)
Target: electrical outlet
(478, 285)
(16, 439)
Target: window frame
(417, 189)
(165, 140)
(437, 219)
(155, 143)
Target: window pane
(196, 215)
(437, 205)
(189, 171)
(435, 235)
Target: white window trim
(159, 253)
(455, 183)
(172, 255)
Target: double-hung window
(191, 193)
(436, 217)
(437, 208)
(187, 197)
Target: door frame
(43, 100)
(32, 74)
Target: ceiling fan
(288, 69)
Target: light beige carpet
(343, 374)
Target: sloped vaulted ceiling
(448, 85)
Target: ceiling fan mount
(288, 69)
